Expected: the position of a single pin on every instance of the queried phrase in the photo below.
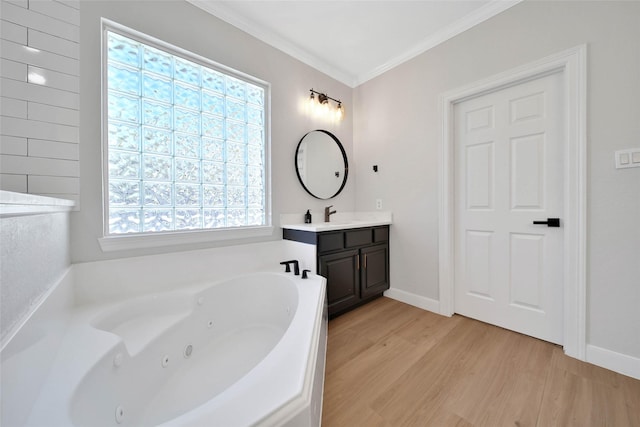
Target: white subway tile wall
(14, 145)
(13, 70)
(39, 101)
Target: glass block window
(185, 141)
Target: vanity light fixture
(324, 106)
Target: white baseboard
(414, 300)
(618, 362)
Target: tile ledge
(18, 204)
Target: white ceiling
(354, 40)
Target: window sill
(143, 241)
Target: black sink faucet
(296, 266)
(328, 213)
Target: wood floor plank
(439, 417)
(427, 328)
(390, 364)
(349, 385)
(360, 315)
(396, 318)
(580, 394)
(343, 347)
(502, 390)
(630, 386)
(360, 415)
(355, 381)
(427, 384)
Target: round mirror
(321, 164)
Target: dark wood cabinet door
(343, 279)
(375, 270)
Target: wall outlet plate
(379, 204)
(627, 158)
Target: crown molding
(220, 10)
(468, 21)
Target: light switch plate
(627, 158)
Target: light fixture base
(323, 100)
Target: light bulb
(325, 108)
(339, 111)
(311, 103)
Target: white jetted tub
(247, 351)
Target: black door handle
(550, 222)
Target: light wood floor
(391, 364)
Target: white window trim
(111, 242)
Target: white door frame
(572, 63)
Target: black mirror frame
(344, 158)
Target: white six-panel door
(508, 174)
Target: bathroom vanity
(353, 256)
(351, 248)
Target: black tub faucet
(296, 266)
(327, 213)
(287, 266)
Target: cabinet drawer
(380, 235)
(330, 241)
(357, 238)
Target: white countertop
(339, 221)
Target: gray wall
(401, 135)
(184, 25)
